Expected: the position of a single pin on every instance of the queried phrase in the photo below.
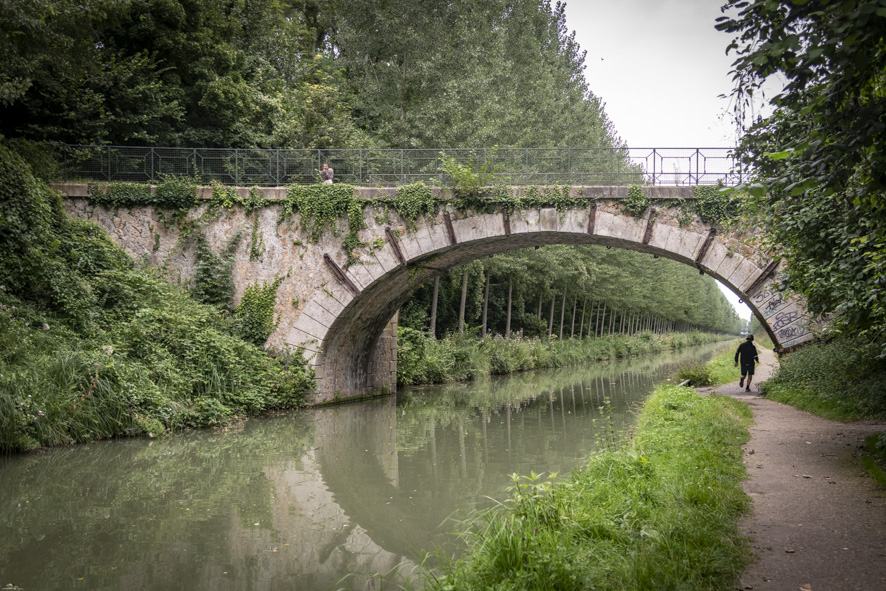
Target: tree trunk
(551, 319)
(434, 307)
(574, 308)
(538, 316)
(508, 322)
(485, 305)
(601, 320)
(562, 313)
(461, 307)
(581, 329)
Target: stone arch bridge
(345, 316)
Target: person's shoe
(748, 389)
(741, 383)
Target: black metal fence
(386, 167)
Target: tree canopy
(819, 163)
(311, 74)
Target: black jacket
(748, 353)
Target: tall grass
(658, 513)
(841, 379)
(424, 360)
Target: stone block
(408, 244)
(575, 221)
(438, 234)
(319, 313)
(363, 277)
(299, 338)
(660, 235)
(548, 220)
(728, 266)
(525, 221)
(311, 326)
(386, 258)
(425, 242)
(469, 229)
(775, 305)
(495, 224)
(715, 256)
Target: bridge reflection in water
(301, 502)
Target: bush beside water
(424, 360)
(660, 513)
(93, 347)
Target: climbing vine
(254, 316)
(413, 201)
(713, 205)
(257, 243)
(321, 206)
(173, 192)
(213, 280)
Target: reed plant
(658, 512)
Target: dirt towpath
(819, 520)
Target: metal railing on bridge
(386, 167)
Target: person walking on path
(747, 354)
(327, 174)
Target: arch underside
(347, 329)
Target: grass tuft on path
(658, 513)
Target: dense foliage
(820, 192)
(263, 73)
(424, 360)
(555, 290)
(658, 514)
(92, 346)
(841, 379)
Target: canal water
(339, 497)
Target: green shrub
(840, 379)
(696, 373)
(92, 347)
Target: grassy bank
(658, 514)
(91, 346)
(423, 360)
(841, 379)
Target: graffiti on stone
(762, 295)
(782, 319)
(791, 332)
(772, 306)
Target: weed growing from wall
(636, 203)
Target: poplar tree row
(570, 292)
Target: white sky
(659, 66)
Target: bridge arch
(346, 324)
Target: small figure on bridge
(748, 354)
(326, 174)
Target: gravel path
(819, 520)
